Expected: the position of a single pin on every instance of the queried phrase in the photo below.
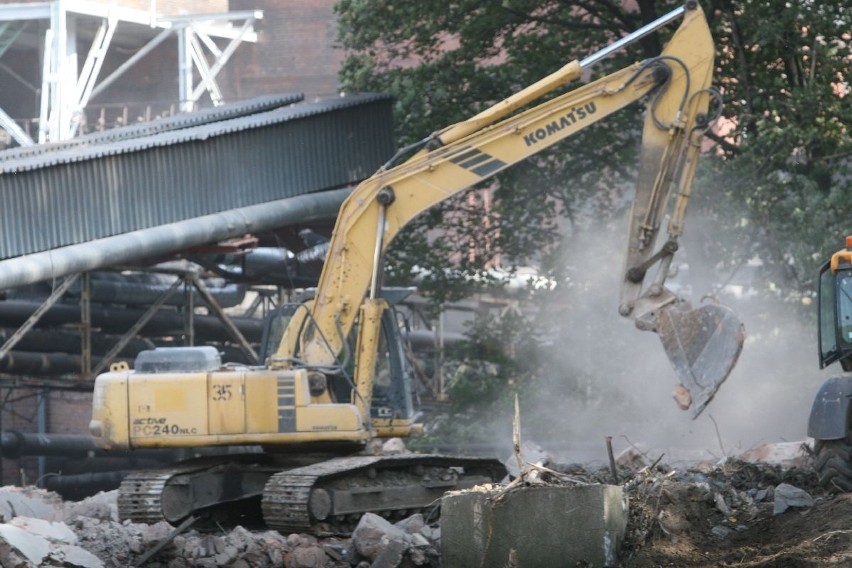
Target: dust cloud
(607, 378)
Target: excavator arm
(677, 86)
(310, 480)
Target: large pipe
(424, 339)
(165, 239)
(133, 289)
(69, 341)
(40, 364)
(17, 444)
(164, 322)
(14, 444)
(265, 265)
(82, 485)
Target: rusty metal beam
(245, 346)
(33, 319)
(131, 333)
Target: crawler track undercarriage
(325, 497)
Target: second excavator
(336, 377)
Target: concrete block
(75, 557)
(29, 502)
(391, 555)
(32, 546)
(530, 527)
(59, 532)
(373, 534)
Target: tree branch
(742, 65)
(726, 146)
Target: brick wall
(65, 413)
(296, 52)
(18, 412)
(69, 412)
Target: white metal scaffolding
(67, 86)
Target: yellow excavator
(336, 379)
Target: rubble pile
(39, 529)
(705, 514)
(711, 512)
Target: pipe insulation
(164, 239)
(119, 319)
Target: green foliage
(445, 61)
(499, 360)
(776, 185)
(784, 72)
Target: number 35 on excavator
(336, 377)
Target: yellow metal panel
(226, 403)
(385, 428)
(273, 439)
(328, 418)
(166, 406)
(303, 392)
(261, 392)
(109, 424)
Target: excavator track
(285, 502)
(140, 493)
(329, 497)
(198, 487)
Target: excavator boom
(678, 87)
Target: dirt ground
(725, 517)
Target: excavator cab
(835, 309)
(392, 398)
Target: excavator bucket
(703, 345)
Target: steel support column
(134, 330)
(65, 93)
(245, 346)
(86, 326)
(33, 319)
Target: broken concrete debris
(787, 496)
(28, 542)
(88, 534)
(729, 497)
(724, 500)
(534, 526)
(385, 544)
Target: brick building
(296, 51)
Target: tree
(775, 181)
(444, 61)
(783, 70)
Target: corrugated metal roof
(87, 192)
(163, 124)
